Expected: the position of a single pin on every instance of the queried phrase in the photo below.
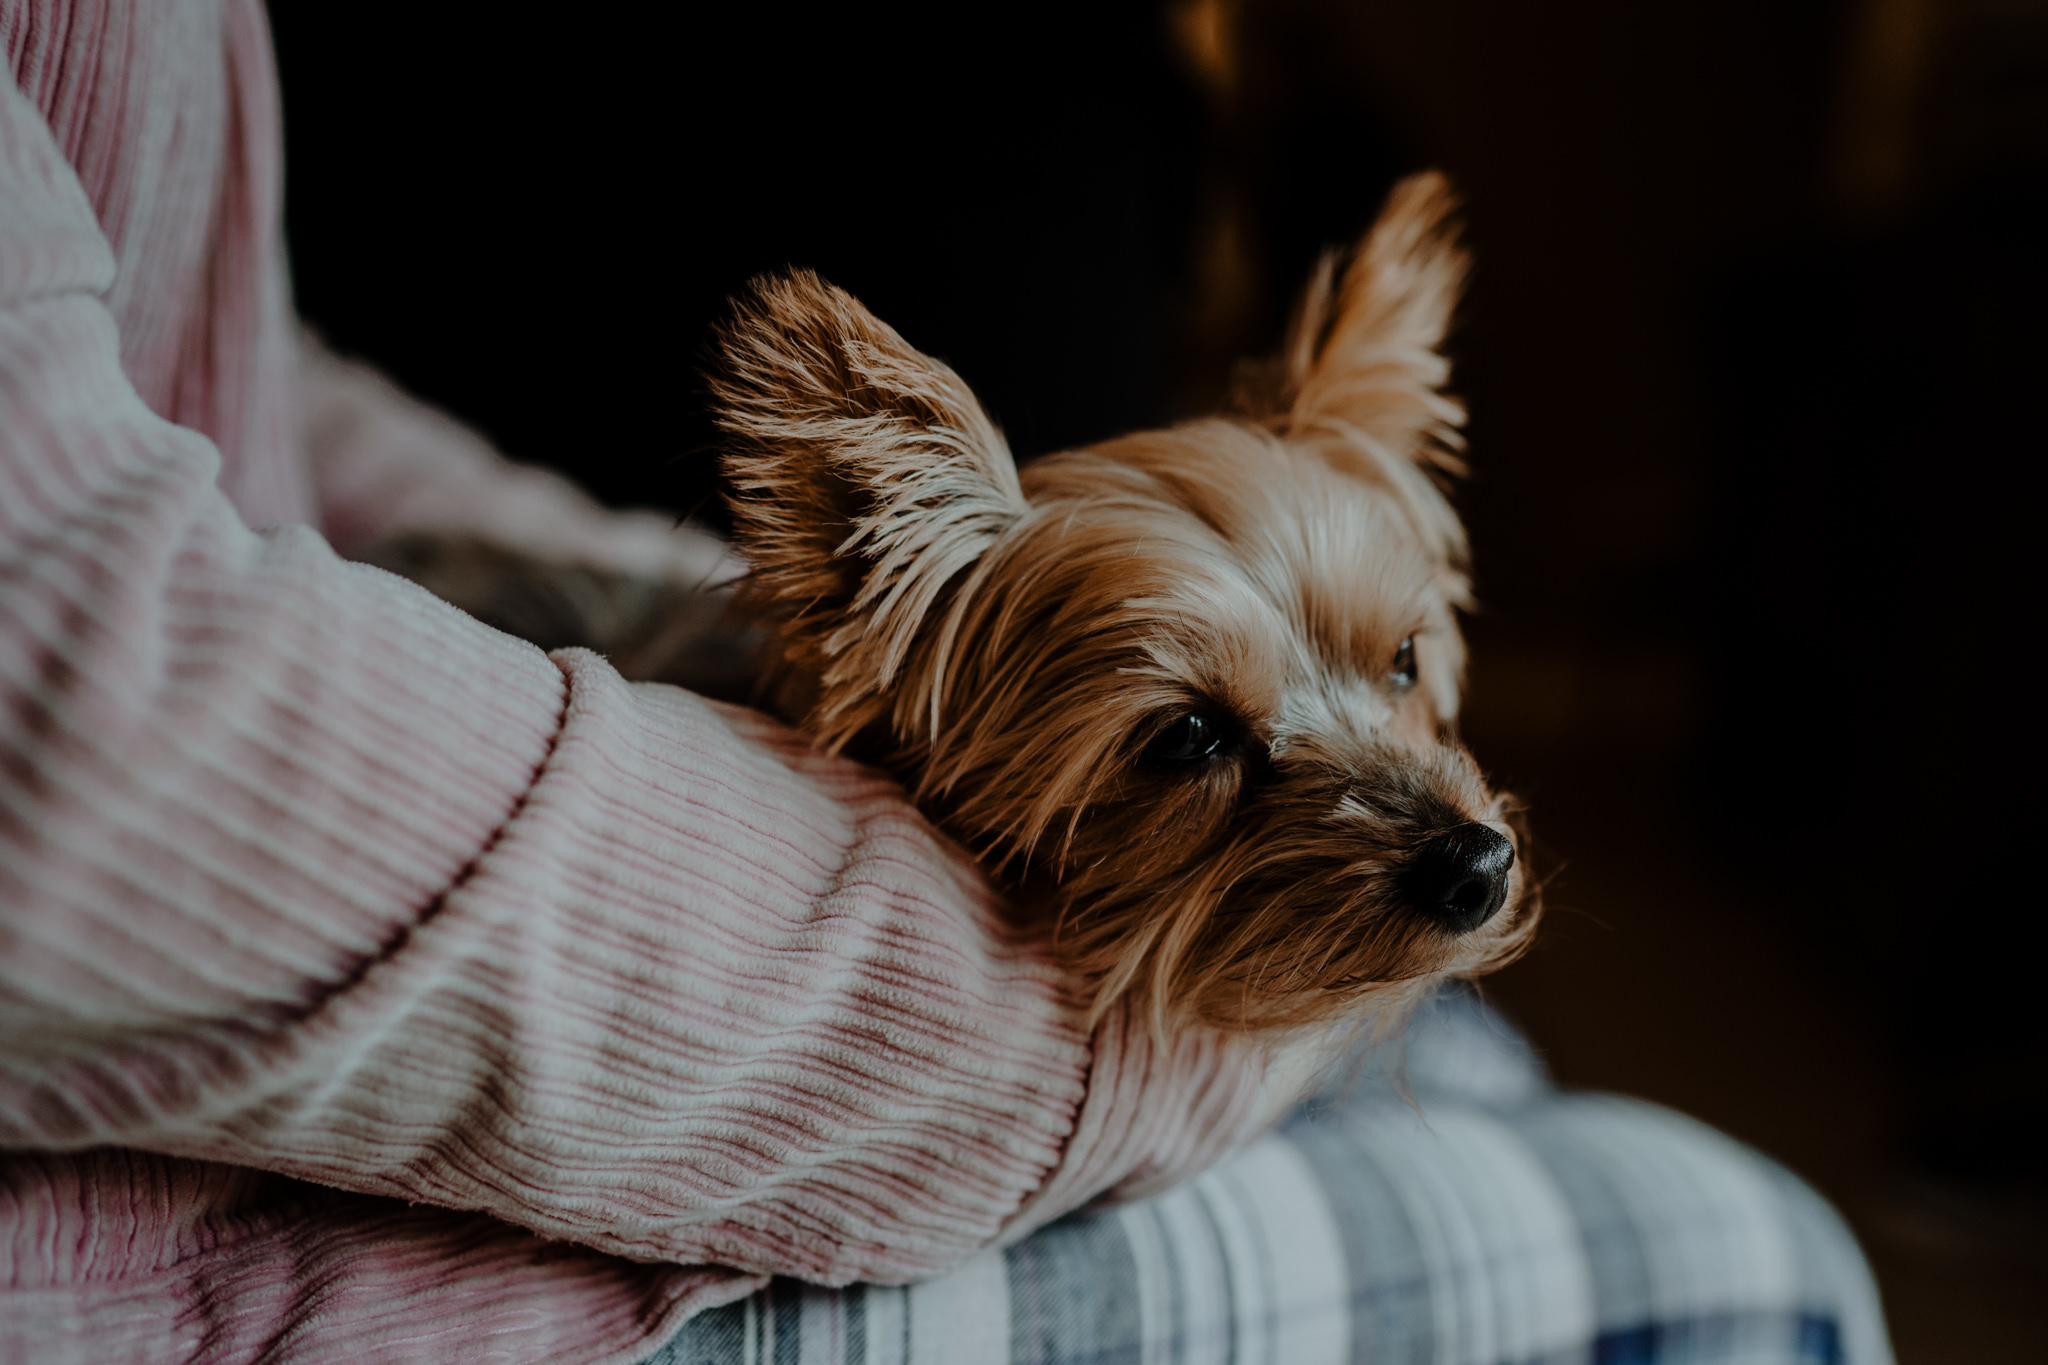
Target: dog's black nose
(1462, 877)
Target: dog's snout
(1461, 878)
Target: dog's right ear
(866, 478)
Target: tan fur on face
(1011, 647)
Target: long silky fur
(1008, 647)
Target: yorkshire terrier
(1191, 692)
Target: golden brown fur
(1026, 651)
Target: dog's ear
(866, 478)
(1361, 354)
(1361, 379)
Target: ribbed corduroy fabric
(317, 895)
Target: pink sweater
(373, 985)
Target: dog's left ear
(1361, 379)
(1362, 353)
(867, 478)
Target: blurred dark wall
(537, 225)
(1750, 356)
(1872, 562)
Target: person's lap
(1494, 1219)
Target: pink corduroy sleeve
(385, 464)
(306, 871)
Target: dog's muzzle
(1461, 878)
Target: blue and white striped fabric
(1493, 1221)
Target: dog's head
(1200, 683)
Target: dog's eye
(1187, 739)
(1402, 675)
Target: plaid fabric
(1493, 1221)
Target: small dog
(1192, 691)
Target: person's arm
(303, 869)
(386, 466)
(407, 488)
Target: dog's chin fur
(1014, 647)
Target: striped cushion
(1493, 1220)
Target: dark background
(1753, 354)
